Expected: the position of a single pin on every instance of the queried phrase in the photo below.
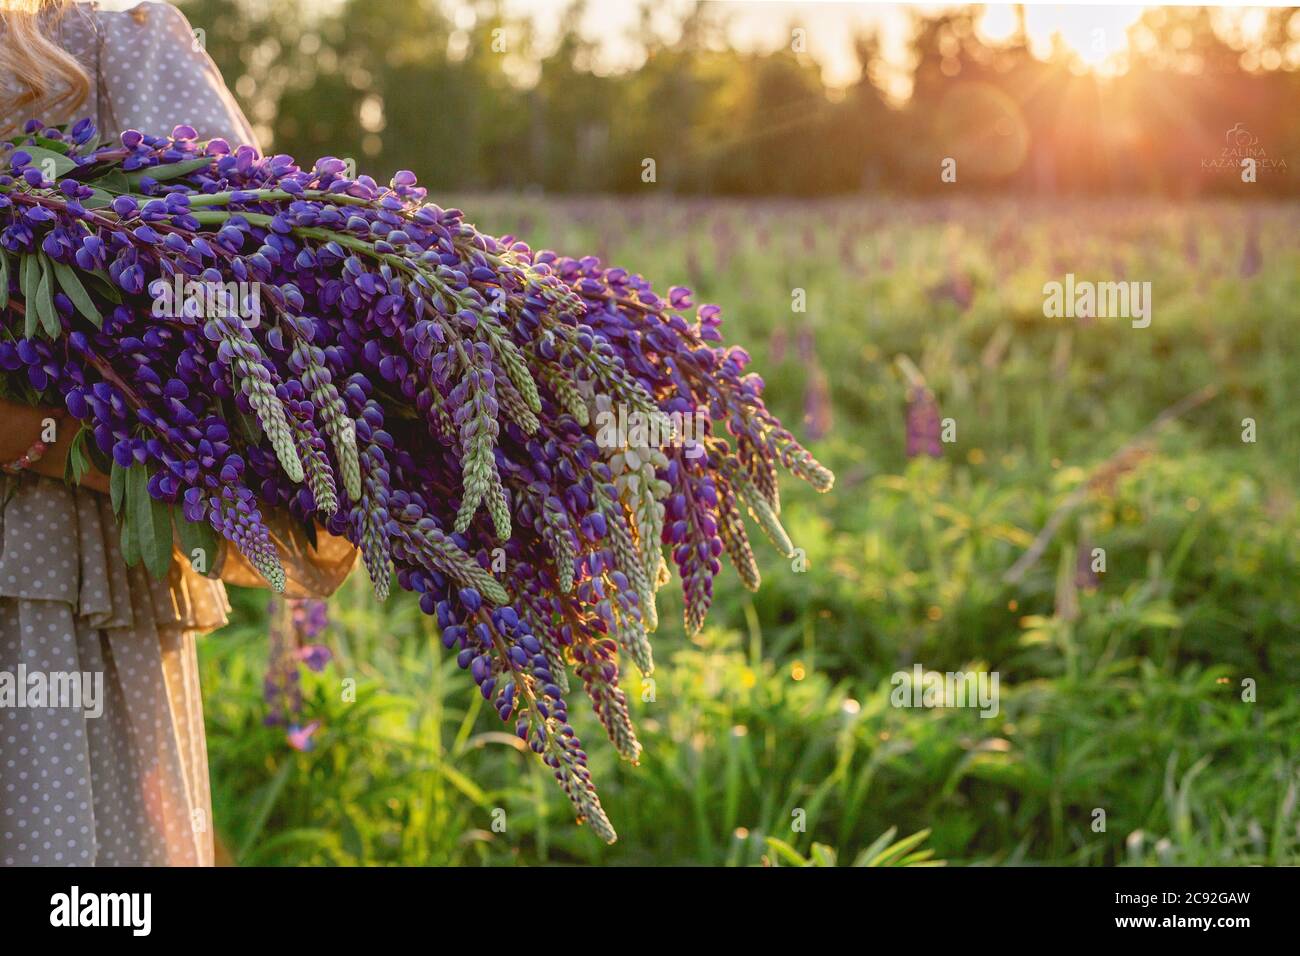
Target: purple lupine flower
(1251, 257)
(310, 618)
(280, 686)
(924, 424)
(315, 656)
(1084, 576)
(816, 396)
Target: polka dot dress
(149, 71)
(120, 777)
(128, 786)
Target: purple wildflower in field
(1084, 576)
(310, 618)
(923, 424)
(315, 656)
(281, 687)
(849, 250)
(294, 625)
(957, 288)
(776, 344)
(1251, 256)
(816, 396)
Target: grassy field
(1148, 714)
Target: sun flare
(1095, 35)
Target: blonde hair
(51, 83)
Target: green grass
(771, 736)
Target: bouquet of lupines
(235, 334)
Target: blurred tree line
(469, 103)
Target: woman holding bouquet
(130, 786)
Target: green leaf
(102, 462)
(98, 199)
(75, 291)
(199, 540)
(4, 279)
(54, 145)
(45, 310)
(117, 488)
(29, 277)
(250, 427)
(101, 283)
(167, 171)
(29, 274)
(151, 521)
(130, 545)
(113, 181)
(892, 853)
(1161, 617)
(266, 803)
(786, 852)
(42, 157)
(350, 838)
(163, 542)
(78, 463)
(869, 853)
(823, 855)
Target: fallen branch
(1107, 470)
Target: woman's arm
(21, 426)
(158, 75)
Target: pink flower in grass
(300, 738)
